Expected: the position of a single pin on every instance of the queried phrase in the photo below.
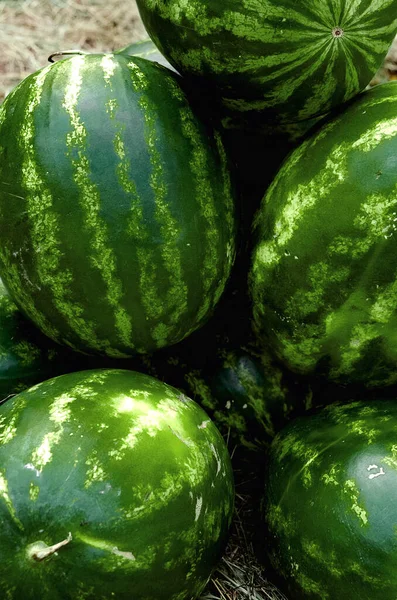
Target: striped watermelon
(248, 400)
(130, 475)
(292, 59)
(116, 206)
(330, 503)
(324, 273)
(26, 356)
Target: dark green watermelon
(323, 275)
(26, 355)
(103, 162)
(330, 503)
(249, 398)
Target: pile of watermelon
(197, 255)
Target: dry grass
(30, 30)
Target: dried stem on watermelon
(40, 550)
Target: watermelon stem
(40, 550)
(337, 32)
(63, 53)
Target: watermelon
(146, 49)
(323, 277)
(330, 503)
(26, 356)
(124, 477)
(102, 165)
(289, 59)
(249, 398)
(257, 152)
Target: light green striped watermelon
(292, 59)
(330, 503)
(324, 272)
(116, 206)
(127, 474)
(250, 399)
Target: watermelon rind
(330, 503)
(323, 276)
(288, 60)
(128, 474)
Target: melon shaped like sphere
(249, 399)
(117, 215)
(324, 272)
(146, 49)
(330, 503)
(293, 59)
(126, 473)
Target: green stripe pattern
(291, 59)
(117, 204)
(330, 503)
(134, 471)
(324, 268)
